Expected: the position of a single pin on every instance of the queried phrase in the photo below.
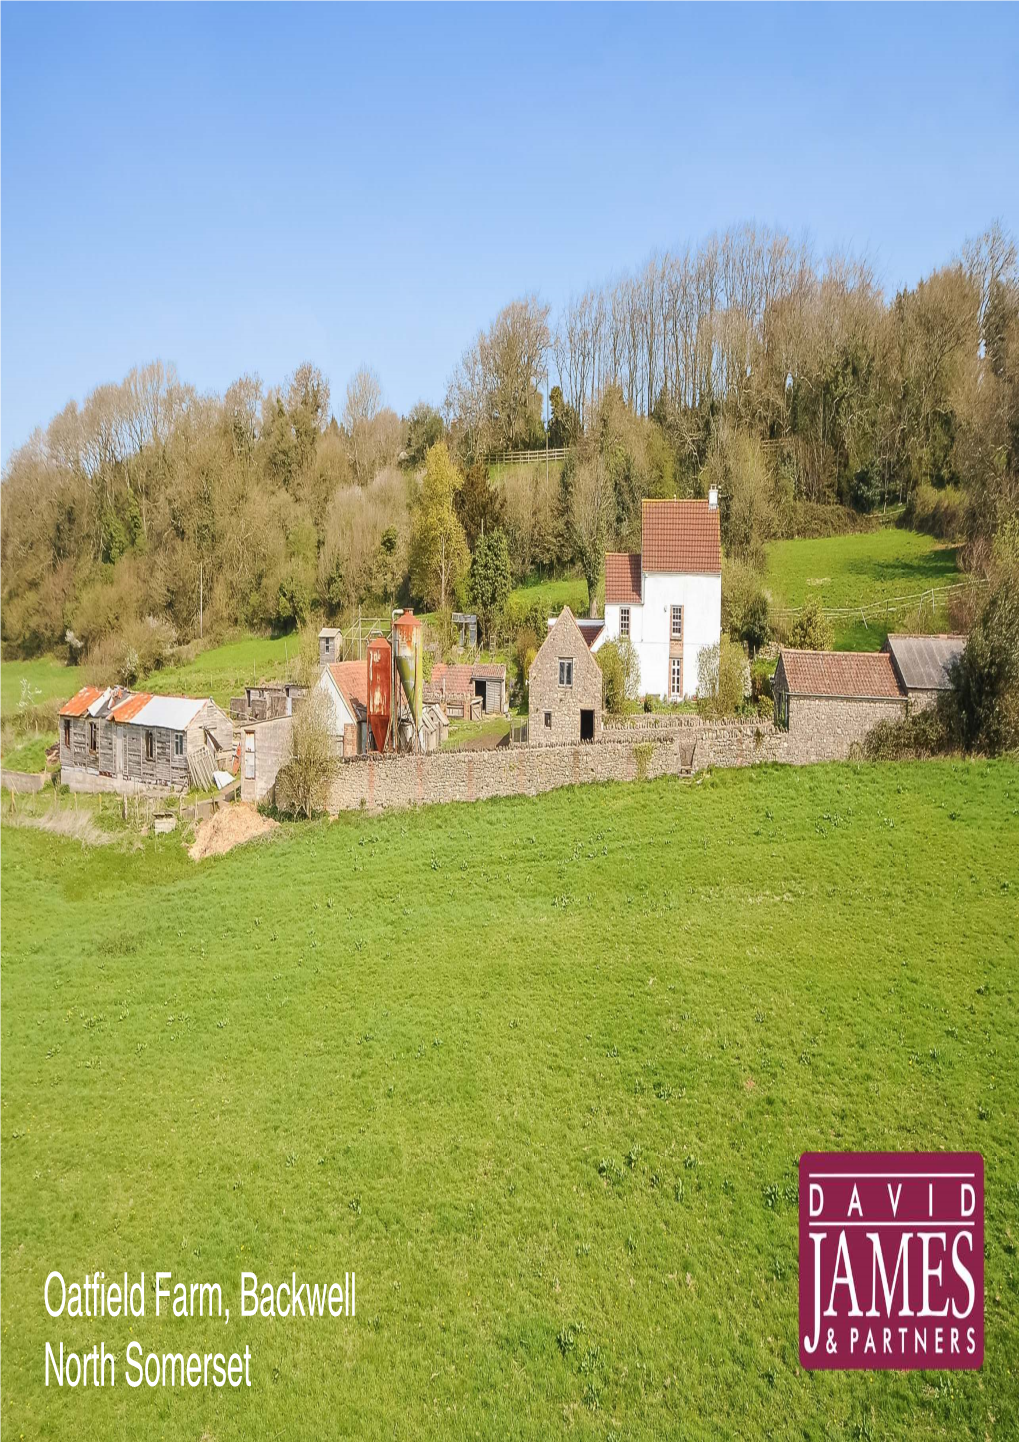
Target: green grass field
(539, 1071)
(861, 570)
(553, 595)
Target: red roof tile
(460, 679)
(840, 673)
(81, 701)
(352, 678)
(680, 536)
(623, 579)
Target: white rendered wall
(701, 598)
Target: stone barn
(113, 739)
(830, 700)
(564, 687)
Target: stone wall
(91, 783)
(829, 728)
(23, 780)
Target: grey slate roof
(923, 661)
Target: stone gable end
(563, 704)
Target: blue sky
(241, 188)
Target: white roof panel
(175, 712)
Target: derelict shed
(126, 740)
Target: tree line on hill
(792, 384)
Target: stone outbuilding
(830, 700)
(923, 664)
(564, 687)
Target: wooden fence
(921, 601)
(529, 458)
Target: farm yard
(539, 1071)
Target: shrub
(939, 511)
(923, 733)
(985, 679)
(303, 784)
(614, 678)
(525, 651)
(721, 675)
(809, 631)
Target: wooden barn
(113, 739)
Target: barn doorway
(587, 725)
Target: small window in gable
(566, 671)
(150, 746)
(93, 736)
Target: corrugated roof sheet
(82, 700)
(623, 579)
(923, 662)
(174, 712)
(857, 675)
(680, 536)
(127, 710)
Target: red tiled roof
(352, 679)
(590, 629)
(680, 536)
(130, 708)
(623, 578)
(81, 701)
(458, 679)
(840, 673)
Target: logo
(892, 1260)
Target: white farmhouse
(668, 599)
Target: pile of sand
(228, 827)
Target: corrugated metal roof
(680, 537)
(130, 708)
(923, 662)
(174, 712)
(858, 675)
(623, 578)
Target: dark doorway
(587, 725)
(480, 693)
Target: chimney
(713, 498)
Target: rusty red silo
(380, 681)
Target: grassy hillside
(540, 1071)
(861, 570)
(552, 595)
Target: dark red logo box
(892, 1260)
